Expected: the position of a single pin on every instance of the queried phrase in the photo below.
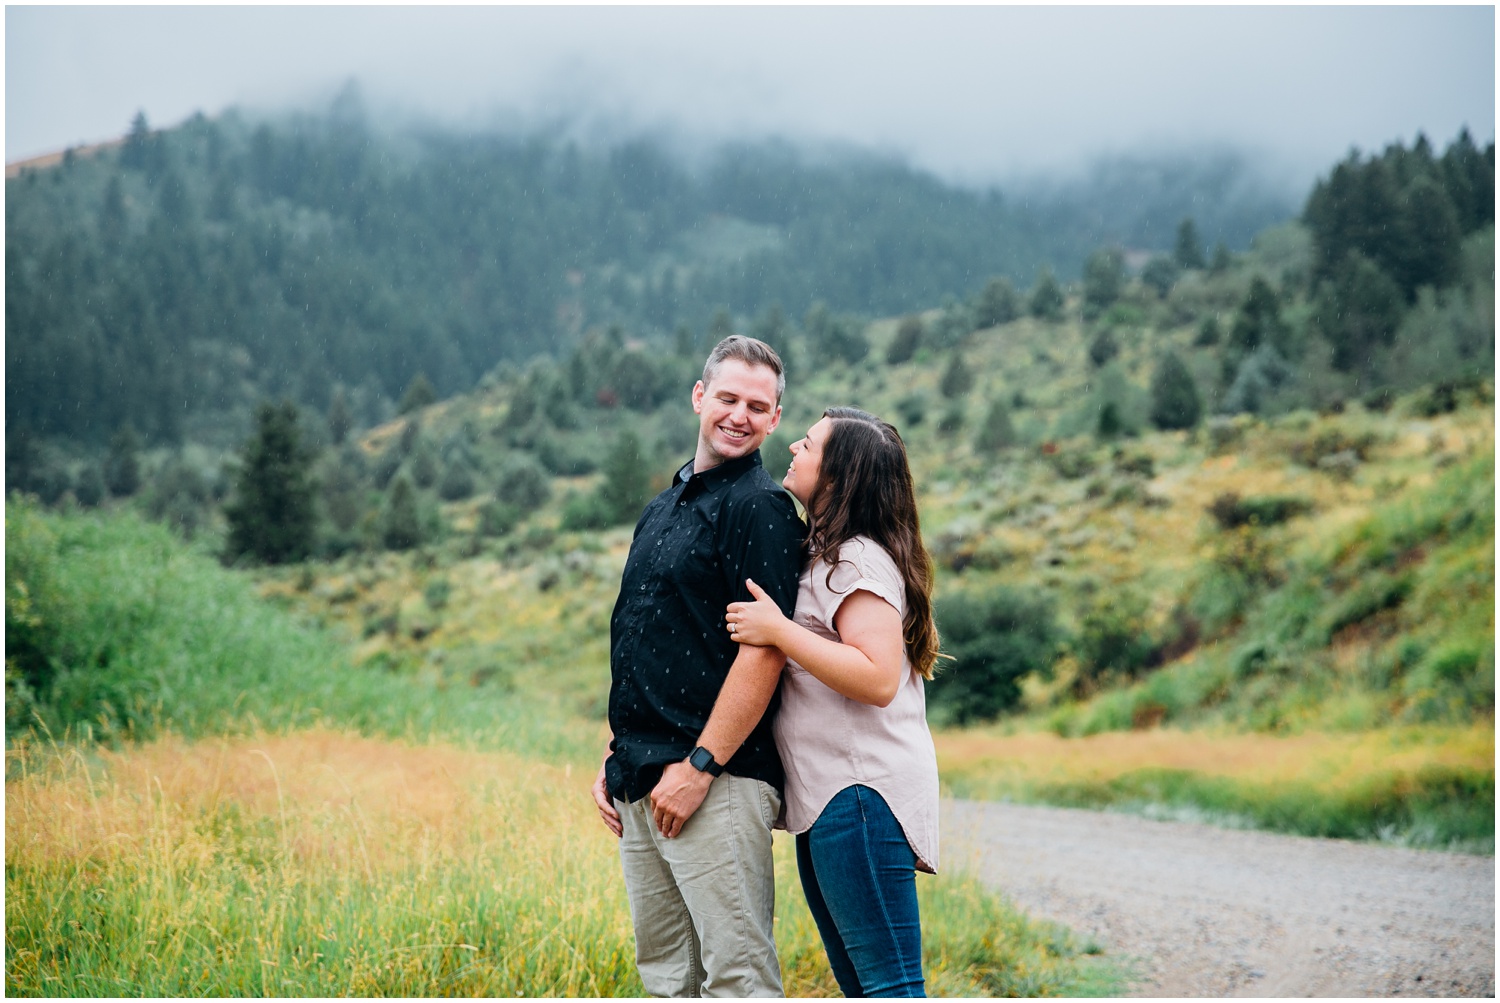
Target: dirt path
(1217, 912)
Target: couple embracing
(750, 658)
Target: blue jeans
(859, 875)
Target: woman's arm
(865, 667)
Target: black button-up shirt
(670, 651)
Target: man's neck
(707, 461)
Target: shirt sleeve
(862, 564)
(762, 540)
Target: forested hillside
(1246, 490)
(172, 282)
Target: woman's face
(807, 460)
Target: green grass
(1441, 808)
(138, 633)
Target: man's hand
(606, 804)
(677, 795)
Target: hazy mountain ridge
(330, 252)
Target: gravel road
(1204, 911)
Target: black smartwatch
(703, 761)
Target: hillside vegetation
(1214, 536)
(172, 281)
(1248, 494)
(213, 801)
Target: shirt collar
(714, 476)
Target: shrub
(523, 484)
(437, 592)
(1113, 639)
(586, 512)
(457, 483)
(497, 518)
(1230, 511)
(1104, 347)
(995, 638)
(1309, 452)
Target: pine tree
(340, 421)
(1046, 301)
(271, 517)
(400, 528)
(122, 467)
(1103, 278)
(1174, 396)
(907, 340)
(1259, 321)
(1430, 238)
(997, 432)
(998, 304)
(1222, 260)
(1469, 181)
(721, 327)
(112, 221)
(419, 394)
(957, 379)
(627, 482)
(1110, 425)
(1208, 333)
(1358, 312)
(1160, 274)
(136, 150)
(1189, 250)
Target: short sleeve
(862, 564)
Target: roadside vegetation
(228, 806)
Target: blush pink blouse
(828, 742)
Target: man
(691, 783)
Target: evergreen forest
(172, 281)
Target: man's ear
(698, 391)
(775, 420)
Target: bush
(1113, 639)
(457, 483)
(1231, 511)
(1104, 347)
(995, 637)
(582, 512)
(523, 484)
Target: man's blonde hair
(752, 352)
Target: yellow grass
(1325, 760)
(327, 864)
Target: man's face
(735, 413)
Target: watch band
(703, 761)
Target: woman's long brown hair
(865, 489)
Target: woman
(861, 774)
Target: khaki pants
(703, 902)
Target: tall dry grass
(1425, 786)
(324, 863)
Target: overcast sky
(975, 93)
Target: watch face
(703, 761)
